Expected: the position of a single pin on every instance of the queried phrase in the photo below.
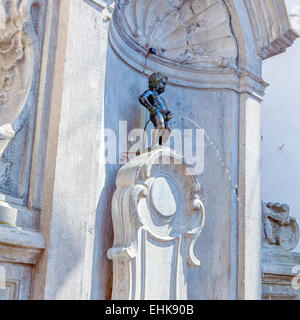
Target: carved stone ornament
(188, 32)
(279, 228)
(107, 6)
(20, 39)
(271, 26)
(157, 217)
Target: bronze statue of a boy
(160, 116)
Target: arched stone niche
(212, 52)
(202, 39)
(193, 34)
(194, 40)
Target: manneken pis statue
(160, 116)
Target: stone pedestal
(157, 217)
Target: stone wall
(77, 70)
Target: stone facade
(69, 80)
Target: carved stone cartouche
(280, 228)
(157, 217)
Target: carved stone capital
(157, 217)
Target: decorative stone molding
(279, 228)
(18, 245)
(134, 30)
(271, 26)
(20, 43)
(157, 217)
(280, 274)
(194, 33)
(20, 250)
(199, 74)
(107, 6)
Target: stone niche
(212, 53)
(157, 217)
(280, 266)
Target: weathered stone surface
(280, 274)
(193, 33)
(17, 285)
(157, 217)
(20, 245)
(21, 39)
(271, 26)
(20, 44)
(280, 268)
(56, 162)
(279, 228)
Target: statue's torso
(157, 101)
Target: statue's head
(158, 82)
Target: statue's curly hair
(155, 78)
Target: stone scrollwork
(279, 227)
(157, 217)
(20, 41)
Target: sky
(281, 127)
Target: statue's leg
(158, 122)
(166, 132)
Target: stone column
(77, 40)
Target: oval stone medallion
(164, 196)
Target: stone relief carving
(12, 164)
(11, 53)
(189, 32)
(157, 217)
(21, 36)
(19, 51)
(279, 227)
